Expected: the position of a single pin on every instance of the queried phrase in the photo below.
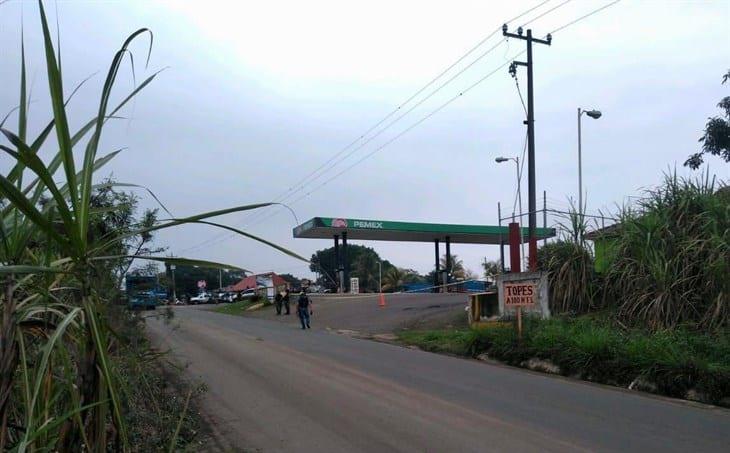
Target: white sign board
(354, 285)
(527, 290)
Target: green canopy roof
(383, 230)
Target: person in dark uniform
(304, 309)
(278, 299)
(286, 300)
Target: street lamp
(174, 293)
(595, 114)
(500, 160)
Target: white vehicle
(249, 293)
(202, 298)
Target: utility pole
(174, 292)
(532, 197)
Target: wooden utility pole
(532, 197)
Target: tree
(291, 280)
(363, 263)
(491, 269)
(394, 279)
(716, 139)
(457, 266)
(187, 277)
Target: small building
(604, 246)
(266, 284)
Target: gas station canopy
(382, 230)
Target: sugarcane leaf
(172, 260)
(19, 201)
(92, 145)
(59, 111)
(138, 186)
(255, 238)
(28, 269)
(32, 161)
(182, 221)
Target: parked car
(202, 298)
(248, 294)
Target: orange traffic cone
(381, 304)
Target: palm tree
(366, 268)
(394, 279)
(457, 266)
(491, 269)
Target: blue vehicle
(143, 292)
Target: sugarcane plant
(58, 385)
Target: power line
(585, 16)
(327, 165)
(429, 115)
(405, 131)
(287, 193)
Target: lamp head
(519, 31)
(499, 160)
(595, 114)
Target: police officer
(286, 300)
(304, 309)
(278, 299)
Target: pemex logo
(339, 223)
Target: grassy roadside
(680, 363)
(159, 405)
(237, 308)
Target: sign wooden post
(519, 294)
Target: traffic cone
(381, 304)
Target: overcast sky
(257, 95)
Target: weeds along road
(274, 387)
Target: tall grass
(671, 258)
(569, 263)
(59, 386)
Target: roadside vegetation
(239, 308)
(655, 317)
(75, 371)
(681, 363)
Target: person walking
(286, 300)
(278, 299)
(304, 309)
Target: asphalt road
(274, 387)
(363, 313)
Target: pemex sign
(355, 223)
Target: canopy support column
(345, 264)
(438, 267)
(447, 271)
(338, 264)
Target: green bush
(595, 348)
(571, 275)
(672, 257)
(669, 261)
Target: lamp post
(595, 114)
(174, 294)
(516, 160)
